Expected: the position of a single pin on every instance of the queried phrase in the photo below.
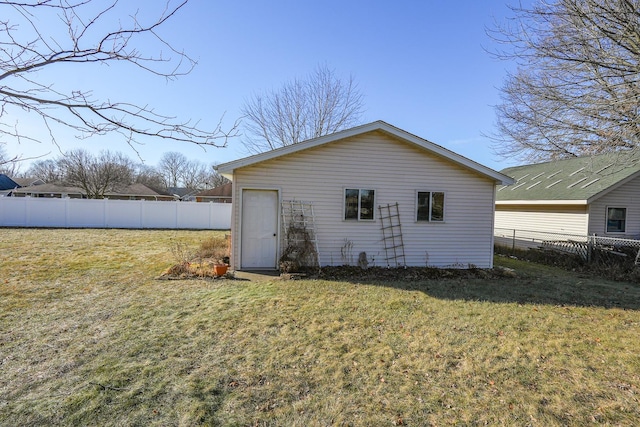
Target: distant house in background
(219, 194)
(354, 180)
(50, 191)
(587, 195)
(182, 193)
(28, 182)
(132, 192)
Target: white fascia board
(542, 202)
(226, 169)
(448, 154)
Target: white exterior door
(259, 245)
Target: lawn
(89, 336)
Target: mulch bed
(408, 273)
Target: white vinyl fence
(105, 213)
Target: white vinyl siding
(626, 196)
(549, 219)
(395, 169)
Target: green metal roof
(580, 178)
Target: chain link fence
(586, 247)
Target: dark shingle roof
(223, 190)
(49, 188)
(7, 183)
(131, 190)
(27, 182)
(580, 178)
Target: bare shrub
(181, 252)
(216, 248)
(300, 252)
(199, 262)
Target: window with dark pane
(437, 206)
(430, 206)
(616, 220)
(424, 205)
(366, 204)
(351, 197)
(359, 204)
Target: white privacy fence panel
(105, 213)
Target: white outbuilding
(372, 195)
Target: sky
(422, 66)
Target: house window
(430, 206)
(358, 204)
(616, 220)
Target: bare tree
(170, 167)
(149, 176)
(577, 87)
(214, 179)
(319, 105)
(8, 165)
(178, 171)
(87, 33)
(194, 175)
(47, 170)
(97, 175)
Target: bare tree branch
(89, 32)
(577, 87)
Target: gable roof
(136, 189)
(7, 183)
(49, 189)
(226, 169)
(579, 180)
(27, 182)
(223, 190)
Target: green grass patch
(89, 337)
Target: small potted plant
(220, 266)
(215, 250)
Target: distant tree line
(110, 171)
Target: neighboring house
(182, 193)
(138, 192)
(8, 185)
(132, 192)
(219, 194)
(445, 201)
(50, 191)
(586, 195)
(28, 182)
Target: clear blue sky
(421, 65)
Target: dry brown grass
(89, 337)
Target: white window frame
(359, 211)
(606, 219)
(444, 207)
